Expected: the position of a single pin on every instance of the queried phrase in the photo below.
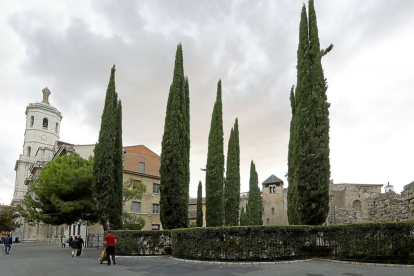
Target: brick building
(143, 165)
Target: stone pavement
(49, 259)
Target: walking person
(70, 241)
(110, 243)
(80, 244)
(74, 245)
(8, 243)
(63, 241)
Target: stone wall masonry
(392, 207)
(387, 207)
(408, 195)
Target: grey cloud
(250, 45)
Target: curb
(365, 264)
(267, 263)
(241, 263)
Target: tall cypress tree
(254, 207)
(291, 195)
(187, 137)
(311, 163)
(174, 168)
(199, 218)
(232, 188)
(105, 169)
(215, 166)
(116, 217)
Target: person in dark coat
(70, 241)
(80, 244)
(8, 243)
(75, 246)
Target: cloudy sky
(70, 47)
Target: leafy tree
(9, 218)
(175, 152)
(107, 166)
(63, 192)
(130, 221)
(311, 165)
(232, 188)
(215, 166)
(254, 207)
(199, 218)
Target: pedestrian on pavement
(110, 243)
(80, 243)
(70, 241)
(75, 246)
(63, 241)
(8, 243)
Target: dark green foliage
(9, 218)
(132, 222)
(372, 242)
(215, 166)
(232, 188)
(243, 217)
(254, 207)
(117, 221)
(199, 218)
(63, 192)
(291, 196)
(130, 243)
(175, 153)
(309, 164)
(107, 168)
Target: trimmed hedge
(252, 243)
(371, 242)
(130, 242)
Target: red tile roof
(142, 150)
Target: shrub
(142, 242)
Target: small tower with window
(41, 134)
(274, 201)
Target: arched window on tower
(29, 150)
(31, 121)
(273, 211)
(56, 128)
(45, 123)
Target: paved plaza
(48, 259)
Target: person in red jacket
(110, 243)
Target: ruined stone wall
(408, 195)
(348, 202)
(356, 203)
(387, 207)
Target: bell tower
(41, 133)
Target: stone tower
(274, 202)
(42, 131)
